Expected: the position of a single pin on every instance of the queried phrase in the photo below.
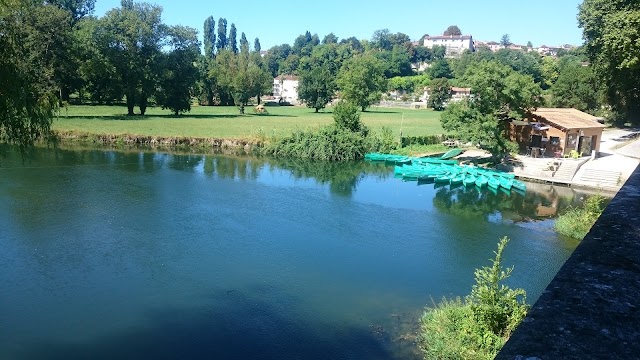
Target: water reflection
(541, 201)
(342, 177)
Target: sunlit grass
(226, 122)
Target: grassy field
(225, 122)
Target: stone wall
(591, 309)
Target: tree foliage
(346, 116)
(452, 30)
(222, 34)
(611, 30)
(78, 9)
(232, 41)
(361, 80)
(244, 44)
(498, 94)
(577, 87)
(179, 70)
(439, 94)
(131, 37)
(27, 100)
(209, 36)
(440, 69)
(330, 38)
(505, 40)
(317, 87)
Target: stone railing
(591, 309)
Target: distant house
(455, 44)
(558, 131)
(457, 94)
(263, 53)
(494, 46)
(545, 50)
(285, 89)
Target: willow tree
(27, 95)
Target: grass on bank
(225, 122)
(576, 222)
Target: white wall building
(455, 44)
(285, 88)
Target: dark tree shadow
(124, 117)
(238, 327)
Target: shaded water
(134, 255)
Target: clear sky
(543, 22)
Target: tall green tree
(56, 23)
(256, 45)
(505, 40)
(577, 87)
(179, 71)
(222, 34)
(209, 36)
(27, 100)
(99, 75)
(452, 30)
(244, 44)
(317, 87)
(330, 38)
(439, 94)
(131, 38)
(361, 80)
(611, 30)
(440, 69)
(232, 41)
(499, 94)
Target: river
(128, 255)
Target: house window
(554, 140)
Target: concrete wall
(591, 309)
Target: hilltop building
(455, 44)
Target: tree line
(56, 51)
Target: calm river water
(132, 255)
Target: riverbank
(155, 142)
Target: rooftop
(457, 37)
(568, 118)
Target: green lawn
(225, 122)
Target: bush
(478, 326)
(346, 116)
(346, 139)
(577, 221)
(424, 140)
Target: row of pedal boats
(441, 171)
(459, 174)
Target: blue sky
(543, 22)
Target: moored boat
(481, 181)
(519, 185)
(451, 153)
(457, 179)
(505, 183)
(469, 180)
(493, 182)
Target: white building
(455, 44)
(457, 94)
(285, 88)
